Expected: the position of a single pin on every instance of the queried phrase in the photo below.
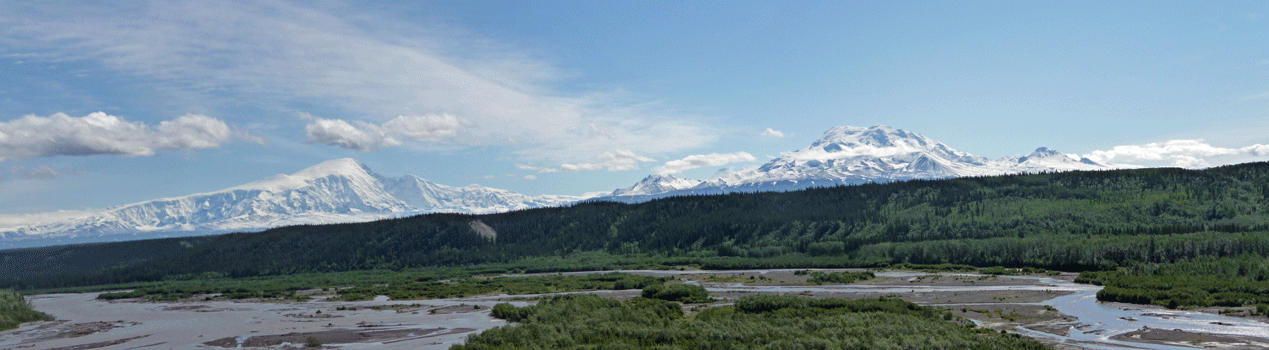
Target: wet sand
(1192, 339)
(85, 323)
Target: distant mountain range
(344, 190)
(848, 155)
(341, 190)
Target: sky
(109, 103)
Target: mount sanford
(847, 155)
(344, 190)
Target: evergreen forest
(1130, 230)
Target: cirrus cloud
(103, 134)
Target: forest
(754, 322)
(1122, 227)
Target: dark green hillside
(76, 259)
(1072, 221)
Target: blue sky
(107, 104)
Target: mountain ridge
(339, 190)
(847, 155)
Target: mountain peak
(1044, 153)
(880, 141)
(336, 167)
(656, 184)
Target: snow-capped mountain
(654, 184)
(341, 190)
(853, 155)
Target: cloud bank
(703, 160)
(1180, 153)
(103, 134)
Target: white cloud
(103, 134)
(1256, 150)
(362, 136)
(530, 177)
(618, 160)
(772, 132)
(1180, 153)
(365, 137)
(703, 160)
(424, 128)
(42, 172)
(277, 54)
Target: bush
(15, 310)
(686, 293)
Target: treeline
(1067, 221)
(433, 284)
(15, 310)
(1203, 281)
(755, 322)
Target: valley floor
(1051, 309)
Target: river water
(1098, 321)
(164, 327)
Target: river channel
(87, 323)
(1098, 322)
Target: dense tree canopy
(1072, 220)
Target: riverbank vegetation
(449, 283)
(754, 322)
(15, 310)
(1198, 282)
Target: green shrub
(687, 293)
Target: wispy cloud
(39, 172)
(530, 177)
(366, 137)
(103, 134)
(1258, 96)
(703, 160)
(1181, 153)
(619, 160)
(276, 54)
(772, 132)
